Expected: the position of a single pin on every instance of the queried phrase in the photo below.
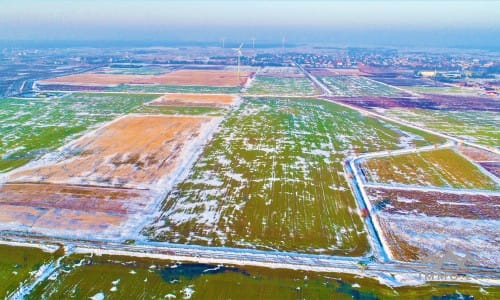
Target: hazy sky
(202, 20)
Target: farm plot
(356, 86)
(30, 128)
(105, 182)
(427, 103)
(475, 126)
(488, 160)
(291, 86)
(272, 178)
(181, 110)
(157, 88)
(134, 151)
(417, 224)
(112, 277)
(60, 209)
(446, 90)
(205, 78)
(282, 72)
(444, 168)
(18, 265)
(216, 78)
(134, 69)
(221, 100)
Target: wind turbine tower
(253, 43)
(283, 44)
(238, 50)
(222, 41)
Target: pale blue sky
(150, 19)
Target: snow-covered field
(421, 224)
(358, 86)
(272, 178)
(65, 199)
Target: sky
(337, 22)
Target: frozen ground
(272, 178)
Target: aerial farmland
(172, 180)
(294, 196)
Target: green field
(476, 126)
(288, 86)
(447, 90)
(357, 86)
(272, 178)
(31, 127)
(134, 278)
(174, 89)
(16, 264)
(444, 168)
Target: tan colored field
(19, 214)
(436, 204)
(78, 220)
(68, 208)
(476, 154)
(45, 196)
(65, 220)
(74, 191)
(416, 237)
(194, 100)
(133, 151)
(205, 77)
(179, 77)
(416, 224)
(399, 248)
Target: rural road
(259, 258)
(381, 251)
(382, 267)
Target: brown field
(416, 224)
(414, 237)
(178, 77)
(400, 249)
(194, 100)
(117, 201)
(436, 203)
(68, 208)
(429, 101)
(133, 151)
(477, 154)
(488, 160)
(77, 193)
(65, 220)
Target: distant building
(428, 73)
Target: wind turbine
(253, 43)
(238, 50)
(222, 40)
